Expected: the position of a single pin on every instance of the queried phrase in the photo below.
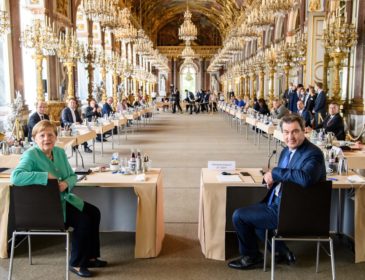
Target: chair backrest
(305, 211)
(37, 207)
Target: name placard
(222, 165)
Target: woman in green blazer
(45, 161)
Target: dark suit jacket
(66, 117)
(310, 103)
(33, 120)
(335, 125)
(90, 113)
(107, 109)
(306, 167)
(307, 117)
(320, 104)
(293, 99)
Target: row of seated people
(71, 114)
(332, 122)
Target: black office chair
(304, 216)
(36, 210)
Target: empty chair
(304, 216)
(36, 210)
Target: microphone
(268, 162)
(83, 170)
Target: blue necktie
(283, 164)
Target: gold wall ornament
(88, 56)
(270, 58)
(69, 50)
(314, 5)
(4, 23)
(339, 37)
(41, 37)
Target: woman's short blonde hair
(43, 125)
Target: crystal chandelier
(4, 23)
(260, 19)
(126, 32)
(279, 8)
(188, 52)
(188, 31)
(97, 10)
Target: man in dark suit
(176, 95)
(319, 109)
(334, 122)
(301, 162)
(107, 107)
(293, 98)
(70, 115)
(36, 117)
(307, 117)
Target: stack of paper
(228, 178)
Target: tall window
(188, 78)
(4, 68)
(29, 67)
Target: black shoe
(87, 150)
(83, 272)
(286, 257)
(247, 262)
(97, 263)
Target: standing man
(177, 101)
(70, 115)
(319, 109)
(301, 162)
(36, 117)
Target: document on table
(228, 178)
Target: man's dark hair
(291, 119)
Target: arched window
(188, 77)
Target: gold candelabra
(279, 8)
(4, 23)
(102, 62)
(271, 62)
(41, 37)
(88, 56)
(69, 50)
(339, 36)
(285, 58)
(114, 64)
(299, 52)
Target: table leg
(102, 143)
(112, 138)
(93, 150)
(269, 137)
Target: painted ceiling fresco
(158, 15)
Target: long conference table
(149, 222)
(212, 211)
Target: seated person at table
(305, 114)
(107, 107)
(263, 109)
(278, 109)
(37, 117)
(302, 163)
(333, 122)
(239, 102)
(45, 161)
(93, 111)
(70, 115)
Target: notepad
(356, 179)
(228, 178)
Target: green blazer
(34, 167)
